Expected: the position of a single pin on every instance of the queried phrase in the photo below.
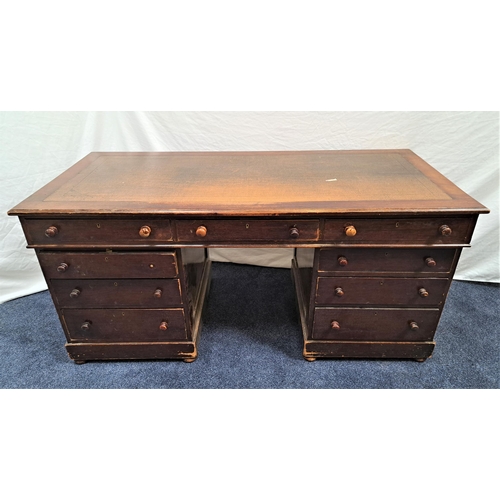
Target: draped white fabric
(37, 146)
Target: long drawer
(231, 230)
(356, 261)
(104, 232)
(366, 324)
(427, 231)
(125, 325)
(151, 293)
(345, 290)
(70, 265)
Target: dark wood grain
(303, 263)
(401, 230)
(100, 265)
(121, 325)
(374, 324)
(247, 230)
(96, 231)
(117, 293)
(387, 350)
(381, 291)
(194, 266)
(368, 261)
(127, 351)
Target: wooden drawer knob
(339, 292)
(350, 231)
(342, 261)
(430, 262)
(201, 231)
(445, 230)
(75, 293)
(335, 325)
(157, 293)
(413, 325)
(423, 292)
(62, 267)
(144, 232)
(51, 231)
(163, 325)
(86, 325)
(294, 232)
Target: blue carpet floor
(251, 338)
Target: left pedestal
(127, 301)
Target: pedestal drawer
(348, 261)
(89, 232)
(117, 293)
(345, 290)
(125, 325)
(366, 324)
(67, 265)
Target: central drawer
(229, 230)
(88, 265)
(151, 293)
(366, 324)
(381, 291)
(125, 325)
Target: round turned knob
(86, 325)
(350, 231)
(445, 230)
(430, 262)
(201, 231)
(51, 231)
(75, 293)
(342, 261)
(144, 232)
(62, 267)
(423, 292)
(163, 325)
(335, 325)
(339, 292)
(294, 232)
(157, 293)
(413, 325)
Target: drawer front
(117, 293)
(427, 231)
(366, 324)
(381, 291)
(211, 230)
(125, 325)
(71, 265)
(105, 232)
(386, 260)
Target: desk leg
(302, 304)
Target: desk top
(295, 183)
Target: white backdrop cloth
(35, 147)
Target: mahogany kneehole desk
(122, 240)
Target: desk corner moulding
(122, 241)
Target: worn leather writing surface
(247, 183)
